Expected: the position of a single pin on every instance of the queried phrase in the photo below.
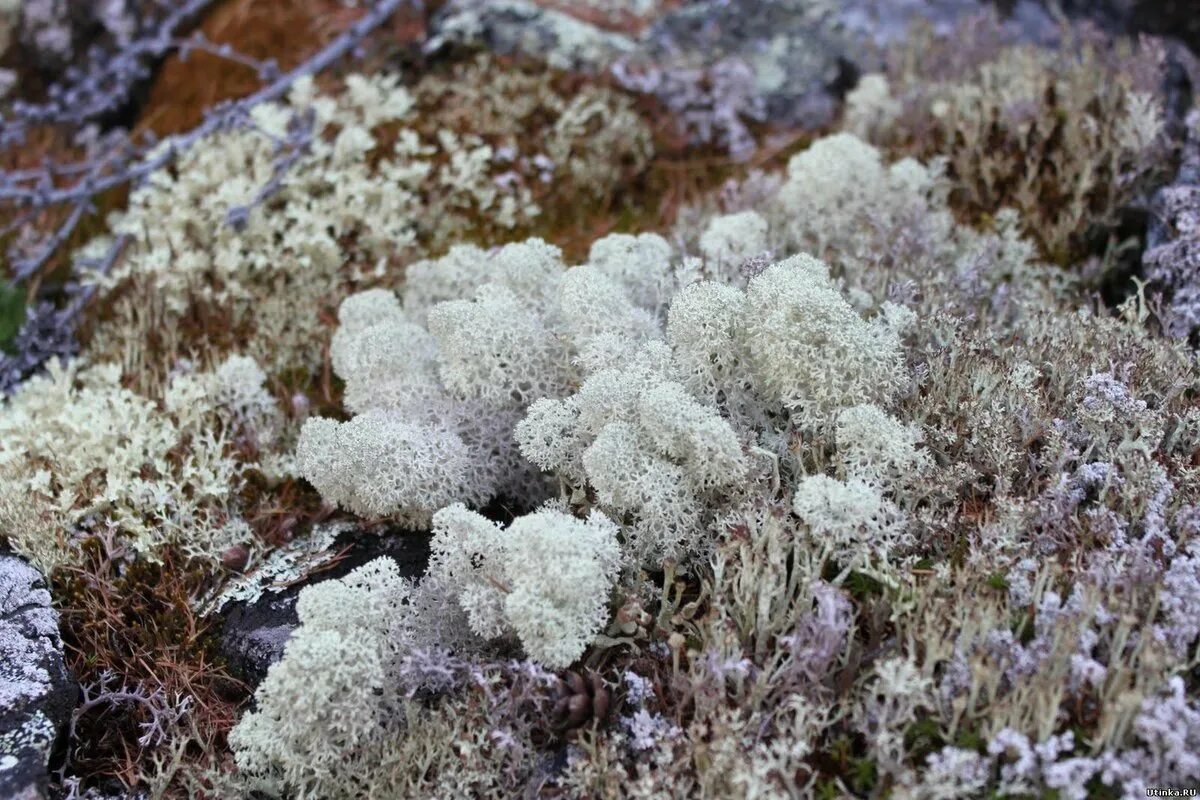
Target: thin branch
(88, 94)
(218, 118)
(22, 268)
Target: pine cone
(580, 700)
(631, 620)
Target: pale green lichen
(282, 568)
(81, 455)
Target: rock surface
(805, 55)
(1179, 19)
(37, 694)
(720, 66)
(259, 622)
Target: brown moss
(134, 619)
(288, 31)
(277, 512)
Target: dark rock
(37, 694)
(1181, 76)
(1177, 19)
(254, 635)
(260, 611)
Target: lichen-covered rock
(259, 610)
(883, 22)
(37, 694)
(793, 56)
(520, 27)
(801, 55)
(719, 66)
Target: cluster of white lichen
(439, 380)
(237, 233)
(546, 577)
(792, 429)
(375, 620)
(654, 411)
(81, 455)
(333, 686)
(661, 404)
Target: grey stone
(37, 694)
(1178, 19)
(720, 66)
(806, 54)
(257, 625)
(520, 27)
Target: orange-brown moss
(135, 620)
(288, 31)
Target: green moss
(923, 737)
(12, 313)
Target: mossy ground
(135, 617)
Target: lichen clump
(80, 456)
(1068, 136)
(842, 483)
(227, 238)
(846, 502)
